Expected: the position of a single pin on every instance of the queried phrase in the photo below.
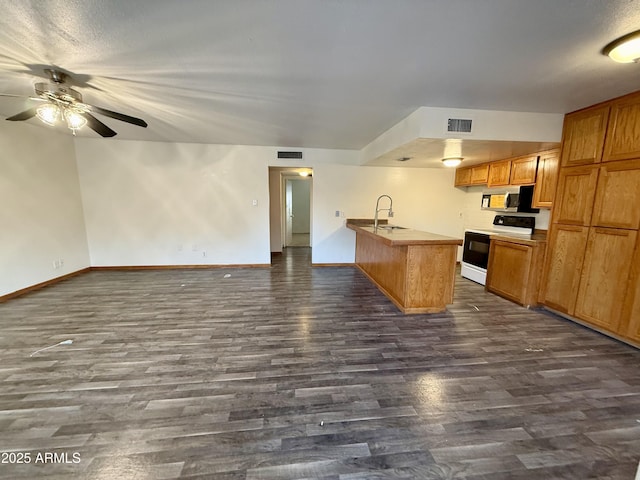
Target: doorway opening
(290, 194)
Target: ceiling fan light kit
(625, 49)
(49, 113)
(63, 102)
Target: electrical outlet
(204, 254)
(254, 203)
(337, 213)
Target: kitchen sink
(392, 227)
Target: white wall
(424, 199)
(152, 203)
(166, 204)
(41, 212)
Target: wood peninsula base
(415, 270)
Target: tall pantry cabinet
(592, 269)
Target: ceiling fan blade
(119, 116)
(26, 115)
(97, 126)
(23, 96)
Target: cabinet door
(463, 177)
(576, 193)
(499, 173)
(623, 132)
(523, 170)
(583, 136)
(563, 266)
(508, 269)
(480, 174)
(617, 203)
(605, 274)
(546, 180)
(631, 308)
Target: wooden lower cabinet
(563, 266)
(514, 270)
(605, 275)
(631, 310)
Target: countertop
(406, 236)
(530, 240)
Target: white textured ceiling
(313, 73)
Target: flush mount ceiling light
(625, 49)
(452, 161)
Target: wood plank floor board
(296, 372)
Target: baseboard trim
(38, 286)
(333, 264)
(178, 267)
(590, 326)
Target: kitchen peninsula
(415, 269)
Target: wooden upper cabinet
(546, 179)
(523, 170)
(617, 202)
(583, 136)
(480, 174)
(604, 278)
(623, 132)
(576, 192)
(563, 266)
(499, 173)
(463, 177)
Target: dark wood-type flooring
(295, 372)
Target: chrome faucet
(389, 210)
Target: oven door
(476, 249)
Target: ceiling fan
(60, 101)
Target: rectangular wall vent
(459, 125)
(289, 154)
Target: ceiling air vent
(289, 154)
(459, 125)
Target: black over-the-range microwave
(512, 199)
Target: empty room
(305, 239)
